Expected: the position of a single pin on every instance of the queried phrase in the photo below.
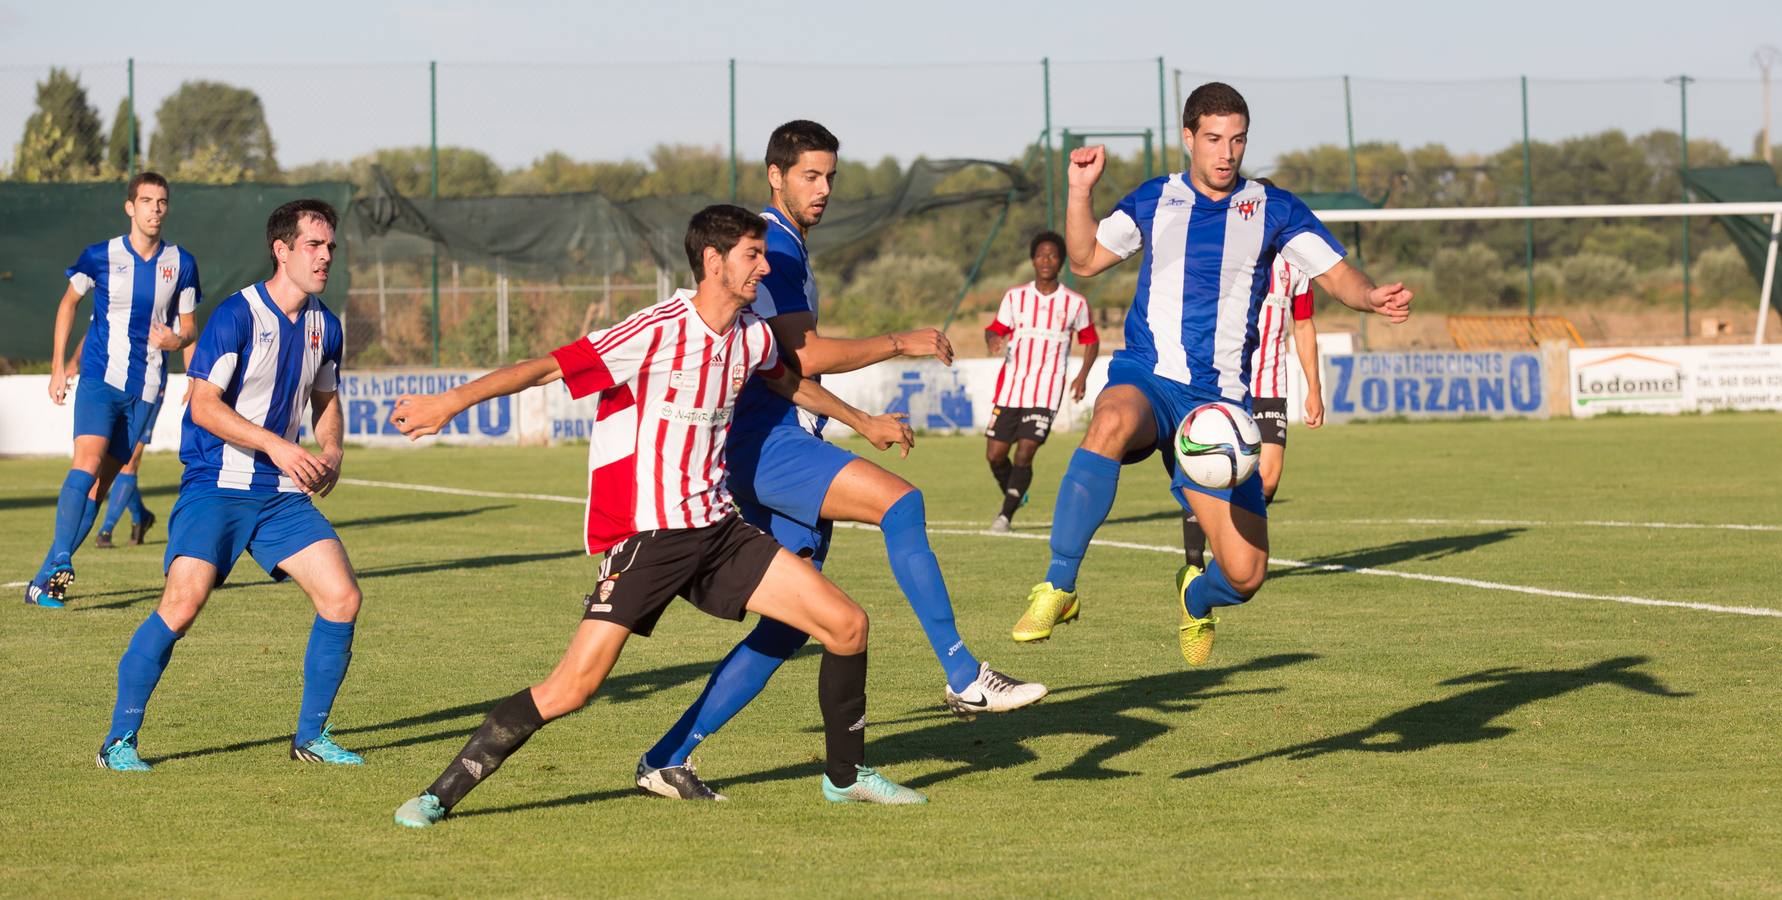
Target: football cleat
(60, 577)
(139, 530)
(420, 812)
(120, 756)
(1195, 635)
(323, 750)
(1000, 525)
(37, 594)
(103, 541)
(871, 787)
(674, 782)
(1184, 575)
(1046, 606)
(993, 692)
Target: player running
(1032, 331)
(268, 352)
(668, 378)
(1209, 239)
(142, 286)
(124, 492)
(1289, 298)
(793, 485)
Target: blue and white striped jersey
(788, 288)
(267, 366)
(1205, 272)
(129, 292)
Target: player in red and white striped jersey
(667, 378)
(1032, 330)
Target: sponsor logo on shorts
(606, 588)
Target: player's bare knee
(1246, 573)
(847, 631)
(341, 605)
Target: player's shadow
(624, 688)
(1466, 717)
(41, 501)
(1402, 551)
(473, 562)
(411, 518)
(1162, 515)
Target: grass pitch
(1356, 732)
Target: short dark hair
(1265, 182)
(1045, 237)
(143, 178)
(794, 139)
(282, 225)
(721, 227)
(1215, 98)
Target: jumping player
(792, 484)
(141, 288)
(1289, 299)
(668, 378)
(1032, 332)
(1209, 238)
(268, 352)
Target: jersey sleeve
(1004, 323)
(188, 291)
(1119, 232)
(86, 270)
(770, 365)
(783, 290)
(1083, 324)
(1300, 291)
(1305, 242)
(219, 348)
(605, 358)
(327, 379)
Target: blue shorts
(780, 476)
(148, 420)
(1171, 401)
(112, 414)
(215, 524)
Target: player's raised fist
(1086, 165)
(419, 415)
(1392, 301)
(924, 342)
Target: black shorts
(1271, 419)
(1026, 423)
(717, 569)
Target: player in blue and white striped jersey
(1209, 238)
(141, 287)
(268, 353)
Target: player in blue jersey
(142, 286)
(124, 493)
(268, 352)
(1209, 238)
(792, 484)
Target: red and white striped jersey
(1038, 327)
(1289, 299)
(667, 385)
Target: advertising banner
(1675, 379)
(1437, 385)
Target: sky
(960, 78)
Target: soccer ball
(1218, 445)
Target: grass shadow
(412, 518)
(1426, 549)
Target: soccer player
(668, 378)
(124, 493)
(141, 287)
(1289, 298)
(1032, 331)
(1208, 238)
(268, 351)
(792, 484)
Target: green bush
(896, 292)
(1468, 277)
(1596, 276)
(1721, 274)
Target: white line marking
(1524, 523)
(13, 584)
(1154, 548)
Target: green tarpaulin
(1751, 182)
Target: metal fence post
(733, 129)
(1051, 176)
(1683, 97)
(1162, 121)
(433, 190)
(130, 71)
(1527, 200)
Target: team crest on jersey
(736, 376)
(1247, 208)
(315, 340)
(167, 273)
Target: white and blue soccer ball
(1218, 445)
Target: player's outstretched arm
(1087, 256)
(419, 415)
(1305, 345)
(58, 386)
(881, 431)
(210, 413)
(818, 355)
(1352, 288)
(329, 425)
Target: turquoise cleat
(871, 787)
(37, 593)
(420, 812)
(324, 750)
(120, 756)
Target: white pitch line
(13, 584)
(1154, 548)
(1524, 523)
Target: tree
(218, 128)
(119, 149)
(61, 140)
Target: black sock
(841, 694)
(1268, 498)
(1194, 541)
(1001, 467)
(1019, 479)
(503, 731)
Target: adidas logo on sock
(858, 726)
(473, 767)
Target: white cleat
(1000, 525)
(993, 692)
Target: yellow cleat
(1196, 635)
(1046, 606)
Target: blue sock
(122, 490)
(1084, 498)
(139, 670)
(71, 505)
(88, 515)
(138, 510)
(1211, 589)
(919, 576)
(324, 668)
(733, 684)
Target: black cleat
(103, 541)
(140, 529)
(674, 782)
